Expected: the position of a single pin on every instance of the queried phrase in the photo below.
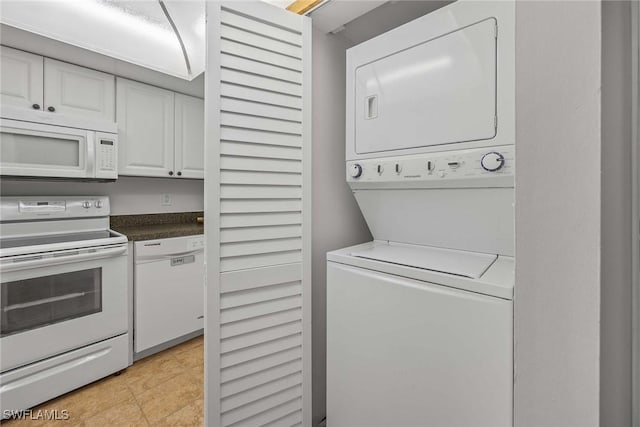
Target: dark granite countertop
(157, 226)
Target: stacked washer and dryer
(420, 320)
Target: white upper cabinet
(39, 89)
(21, 79)
(77, 91)
(161, 132)
(146, 130)
(189, 136)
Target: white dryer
(420, 321)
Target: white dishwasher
(169, 291)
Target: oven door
(38, 150)
(63, 302)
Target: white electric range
(64, 302)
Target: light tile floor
(166, 389)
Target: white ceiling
(136, 31)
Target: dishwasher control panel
(147, 250)
(196, 243)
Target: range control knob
(492, 161)
(98, 204)
(86, 204)
(355, 170)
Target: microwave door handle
(15, 265)
(91, 154)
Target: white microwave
(33, 150)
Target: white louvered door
(258, 199)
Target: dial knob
(86, 204)
(355, 170)
(98, 204)
(492, 161)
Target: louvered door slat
(259, 219)
(242, 92)
(261, 391)
(266, 293)
(259, 233)
(260, 205)
(290, 420)
(249, 149)
(260, 82)
(261, 364)
(259, 164)
(262, 377)
(257, 108)
(257, 27)
(260, 123)
(245, 65)
(262, 411)
(259, 41)
(262, 350)
(259, 63)
(260, 322)
(260, 178)
(248, 262)
(262, 308)
(260, 192)
(239, 134)
(260, 336)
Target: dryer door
(441, 91)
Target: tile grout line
(135, 399)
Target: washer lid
(450, 261)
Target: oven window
(40, 301)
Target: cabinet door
(189, 136)
(77, 91)
(21, 79)
(145, 127)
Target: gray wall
(558, 201)
(129, 195)
(616, 308)
(337, 221)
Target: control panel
(474, 164)
(106, 156)
(33, 207)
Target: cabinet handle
(179, 173)
(36, 106)
(170, 172)
(52, 109)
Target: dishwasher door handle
(149, 258)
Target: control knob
(492, 161)
(355, 170)
(86, 204)
(98, 204)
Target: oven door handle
(49, 261)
